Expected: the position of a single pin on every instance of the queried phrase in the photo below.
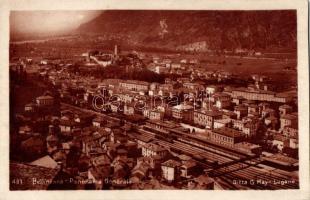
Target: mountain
(203, 30)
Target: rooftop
(134, 82)
(246, 145)
(183, 107)
(279, 158)
(45, 97)
(289, 117)
(45, 161)
(154, 147)
(227, 132)
(209, 112)
(172, 163)
(280, 137)
(166, 124)
(223, 121)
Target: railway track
(237, 167)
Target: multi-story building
(126, 96)
(153, 114)
(268, 112)
(161, 69)
(271, 121)
(163, 126)
(171, 170)
(211, 89)
(285, 109)
(98, 122)
(129, 109)
(288, 120)
(250, 128)
(280, 141)
(193, 86)
(206, 118)
(150, 149)
(253, 110)
(260, 95)
(67, 126)
(45, 100)
(241, 111)
(225, 136)
(222, 100)
(290, 131)
(219, 123)
(30, 107)
(134, 85)
(183, 112)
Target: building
(154, 86)
(280, 141)
(285, 109)
(45, 161)
(290, 131)
(260, 95)
(237, 100)
(241, 111)
(176, 65)
(238, 124)
(183, 112)
(222, 100)
(98, 122)
(250, 128)
(161, 69)
(45, 100)
(268, 112)
(150, 149)
(30, 107)
(202, 182)
(253, 110)
(212, 89)
(219, 123)
(293, 142)
(33, 146)
(153, 114)
(288, 120)
(171, 170)
(228, 114)
(67, 126)
(134, 85)
(225, 136)
(188, 168)
(206, 118)
(249, 148)
(143, 139)
(163, 126)
(129, 109)
(126, 97)
(192, 86)
(166, 86)
(52, 143)
(271, 121)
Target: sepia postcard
(150, 100)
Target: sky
(48, 21)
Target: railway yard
(233, 169)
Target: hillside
(204, 30)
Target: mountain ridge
(218, 30)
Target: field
(272, 64)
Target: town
(113, 119)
